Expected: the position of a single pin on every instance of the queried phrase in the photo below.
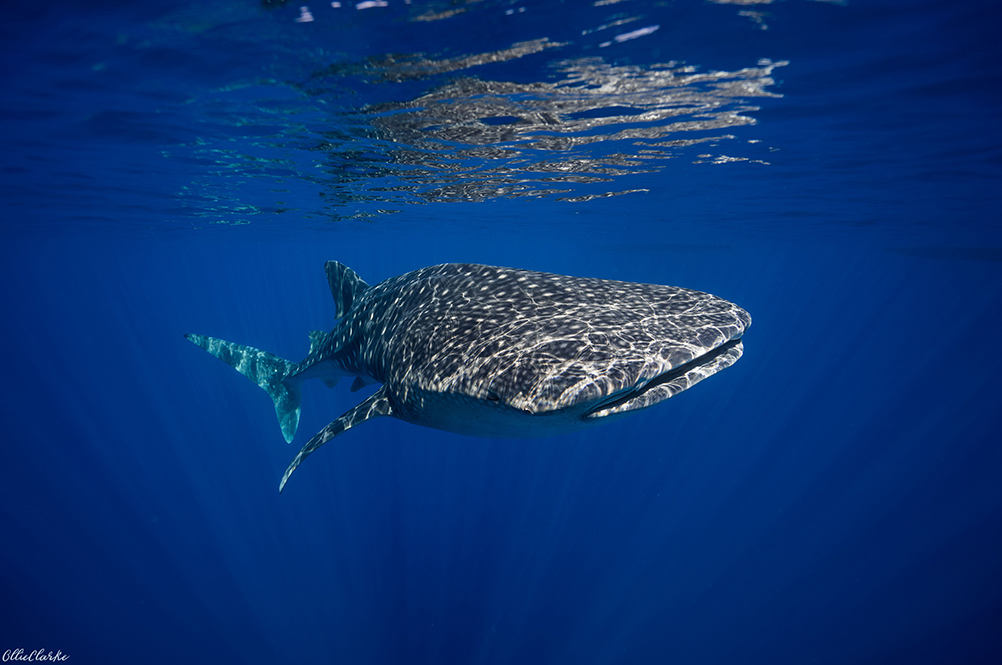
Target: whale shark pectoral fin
(377, 404)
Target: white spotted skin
(498, 352)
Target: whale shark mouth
(669, 383)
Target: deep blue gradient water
(835, 169)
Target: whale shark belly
(462, 414)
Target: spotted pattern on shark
(499, 352)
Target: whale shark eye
(493, 396)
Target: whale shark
(497, 352)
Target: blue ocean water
(834, 168)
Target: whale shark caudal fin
(345, 285)
(377, 404)
(264, 369)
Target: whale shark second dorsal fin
(345, 285)
(317, 338)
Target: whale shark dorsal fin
(345, 285)
(376, 404)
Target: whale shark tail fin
(346, 286)
(266, 370)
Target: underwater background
(833, 168)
